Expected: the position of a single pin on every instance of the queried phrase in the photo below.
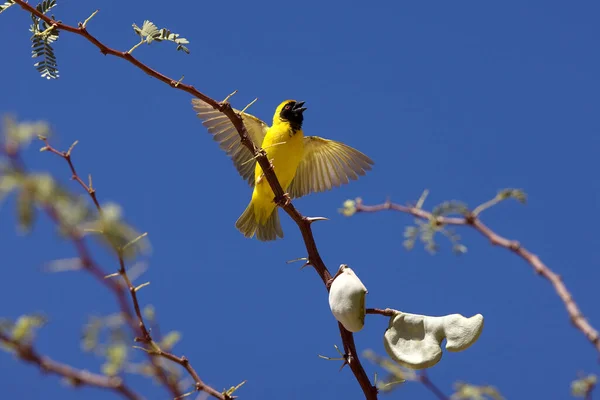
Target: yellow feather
(285, 149)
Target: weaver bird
(302, 164)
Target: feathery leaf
(150, 33)
(43, 36)
(5, 6)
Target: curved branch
(304, 223)
(577, 317)
(77, 377)
(139, 327)
(90, 265)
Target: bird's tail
(249, 226)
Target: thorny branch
(474, 221)
(94, 269)
(76, 377)
(304, 223)
(67, 156)
(142, 332)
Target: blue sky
(462, 98)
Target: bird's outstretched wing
(223, 131)
(326, 164)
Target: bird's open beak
(298, 107)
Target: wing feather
(338, 178)
(224, 133)
(347, 165)
(325, 173)
(327, 164)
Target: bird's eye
(287, 107)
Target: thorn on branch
(141, 286)
(185, 395)
(177, 83)
(424, 195)
(229, 96)
(142, 348)
(260, 154)
(330, 358)
(134, 241)
(248, 106)
(228, 393)
(297, 259)
(84, 24)
(310, 220)
(344, 357)
(68, 153)
(346, 362)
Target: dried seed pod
(347, 299)
(413, 340)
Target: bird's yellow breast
(285, 149)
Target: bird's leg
(283, 201)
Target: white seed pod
(414, 341)
(347, 299)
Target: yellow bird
(303, 164)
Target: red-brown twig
(95, 270)
(304, 223)
(577, 318)
(139, 327)
(387, 312)
(76, 377)
(67, 156)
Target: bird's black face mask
(292, 112)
